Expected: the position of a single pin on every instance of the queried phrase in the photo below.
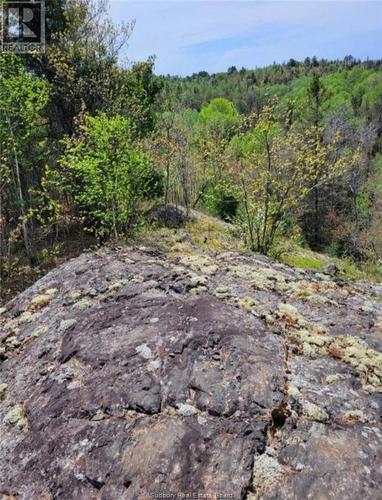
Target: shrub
(222, 202)
(107, 176)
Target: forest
(287, 153)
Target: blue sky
(191, 36)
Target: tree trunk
(20, 195)
(316, 217)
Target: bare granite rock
(130, 374)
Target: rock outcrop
(130, 374)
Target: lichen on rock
(42, 300)
(314, 412)
(267, 472)
(150, 372)
(15, 416)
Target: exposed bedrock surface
(132, 374)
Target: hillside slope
(131, 373)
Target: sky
(191, 36)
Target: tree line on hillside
(249, 88)
(87, 146)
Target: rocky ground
(133, 374)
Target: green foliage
(22, 99)
(376, 169)
(221, 201)
(42, 99)
(321, 124)
(310, 163)
(250, 89)
(219, 118)
(274, 170)
(107, 175)
(292, 253)
(304, 262)
(153, 182)
(81, 66)
(135, 96)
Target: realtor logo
(22, 26)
